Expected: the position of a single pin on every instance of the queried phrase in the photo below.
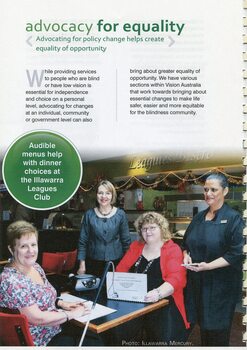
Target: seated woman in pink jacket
(160, 258)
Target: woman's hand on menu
(66, 305)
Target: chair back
(14, 330)
(59, 262)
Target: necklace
(138, 263)
(105, 214)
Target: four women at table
(214, 240)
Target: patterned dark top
(104, 238)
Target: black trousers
(71, 336)
(62, 340)
(219, 337)
(96, 267)
(163, 327)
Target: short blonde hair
(18, 229)
(109, 186)
(153, 218)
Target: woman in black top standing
(214, 241)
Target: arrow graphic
(28, 41)
(172, 41)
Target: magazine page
(147, 95)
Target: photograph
(123, 173)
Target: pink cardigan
(171, 259)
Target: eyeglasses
(206, 189)
(150, 228)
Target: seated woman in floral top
(24, 286)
